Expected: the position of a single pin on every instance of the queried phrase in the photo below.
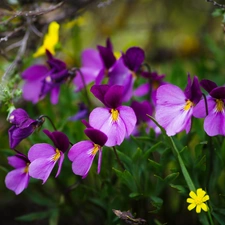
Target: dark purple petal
(208, 85)
(113, 97)
(16, 135)
(193, 91)
(99, 91)
(55, 63)
(141, 110)
(35, 72)
(86, 124)
(96, 136)
(218, 93)
(107, 56)
(133, 58)
(59, 139)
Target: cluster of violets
(115, 83)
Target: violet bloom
(41, 80)
(83, 153)
(174, 108)
(125, 69)
(115, 120)
(214, 121)
(82, 113)
(17, 180)
(95, 65)
(153, 82)
(142, 109)
(44, 156)
(23, 126)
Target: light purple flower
(124, 70)
(17, 180)
(41, 80)
(83, 153)
(44, 156)
(174, 108)
(95, 65)
(214, 123)
(115, 120)
(23, 126)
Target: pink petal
(16, 162)
(200, 108)
(17, 180)
(54, 96)
(40, 151)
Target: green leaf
(155, 165)
(156, 202)
(219, 218)
(34, 216)
(171, 177)
(152, 149)
(135, 195)
(180, 188)
(126, 160)
(127, 179)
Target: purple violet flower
(83, 153)
(174, 108)
(214, 121)
(95, 65)
(17, 180)
(44, 156)
(115, 120)
(82, 113)
(23, 126)
(124, 70)
(41, 80)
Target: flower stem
(210, 217)
(118, 159)
(40, 118)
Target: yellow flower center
(219, 105)
(115, 114)
(95, 149)
(188, 105)
(198, 201)
(56, 156)
(26, 169)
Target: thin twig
(11, 34)
(36, 12)
(216, 4)
(20, 53)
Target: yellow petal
(198, 208)
(191, 206)
(205, 198)
(204, 207)
(192, 195)
(200, 193)
(190, 200)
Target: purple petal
(41, 168)
(218, 93)
(142, 90)
(200, 108)
(107, 56)
(59, 139)
(99, 160)
(128, 117)
(86, 124)
(18, 116)
(60, 162)
(99, 91)
(16, 135)
(35, 73)
(96, 136)
(173, 118)
(133, 58)
(54, 97)
(101, 119)
(17, 180)
(32, 91)
(17, 161)
(214, 123)
(42, 150)
(128, 88)
(82, 158)
(91, 59)
(100, 77)
(113, 97)
(86, 76)
(208, 85)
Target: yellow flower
(50, 40)
(197, 200)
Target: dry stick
(20, 53)
(11, 34)
(216, 4)
(36, 12)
